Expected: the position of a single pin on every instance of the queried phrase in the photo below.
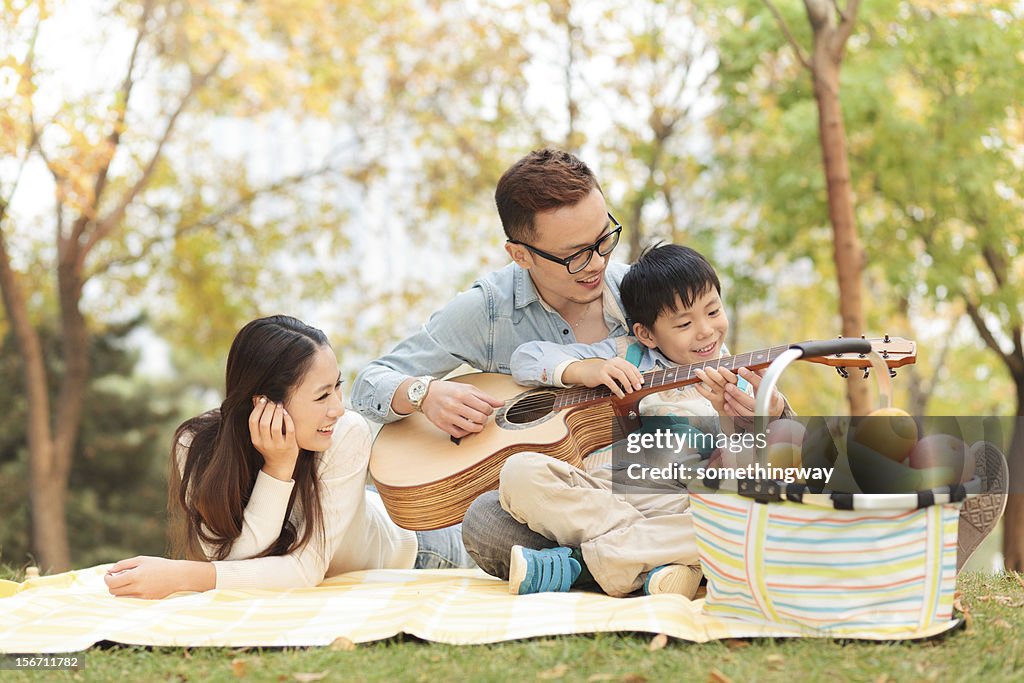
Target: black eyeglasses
(576, 262)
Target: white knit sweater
(358, 532)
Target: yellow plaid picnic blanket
(70, 612)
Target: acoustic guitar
(428, 479)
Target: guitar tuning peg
(886, 340)
(892, 372)
(842, 372)
(867, 372)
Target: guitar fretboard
(670, 378)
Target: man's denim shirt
(480, 327)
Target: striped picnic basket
(827, 563)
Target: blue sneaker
(541, 571)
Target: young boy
(673, 298)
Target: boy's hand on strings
(618, 374)
(713, 384)
(739, 403)
(273, 434)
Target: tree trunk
(52, 541)
(635, 234)
(49, 523)
(847, 251)
(49, 534)
(1013, 518)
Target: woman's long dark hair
(209, 491)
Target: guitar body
(428, 482)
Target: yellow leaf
(716, 676)
(238, 668)
(343, 644)
(556, 671)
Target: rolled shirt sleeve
(540, 363)
(454, 335)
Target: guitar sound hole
(531, 408)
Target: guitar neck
(671, 378)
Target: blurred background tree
(117, 484)
(195, 165)
(929, 101)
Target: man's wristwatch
(418, 391)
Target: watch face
(417, 390)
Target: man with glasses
(560, 287)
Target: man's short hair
(543, 180)
(662, 273)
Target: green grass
(990, 648)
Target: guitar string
(561, 398)
(532, 403)
(656, 378)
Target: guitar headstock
(895, 351)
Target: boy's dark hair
(543, 180)
(662, 273)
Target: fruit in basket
(785, 431)
(783, 454)
(819, 446)
(934, 477)
(875, 473)
(945, 451)
(889, 431)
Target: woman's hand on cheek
(273, 435)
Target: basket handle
(815, 349)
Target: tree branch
(114, 139)
(947, 344)
(214, 219)
(839, 10)
(996, 263)
(788, 34)
(1011, 361)
(33, 135)
(817, 14)
(845, 28)
(1018, 346)
(114, 218)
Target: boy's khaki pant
(621, 537)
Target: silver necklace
(585, 311)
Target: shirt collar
(658, 358)
(524, 291)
